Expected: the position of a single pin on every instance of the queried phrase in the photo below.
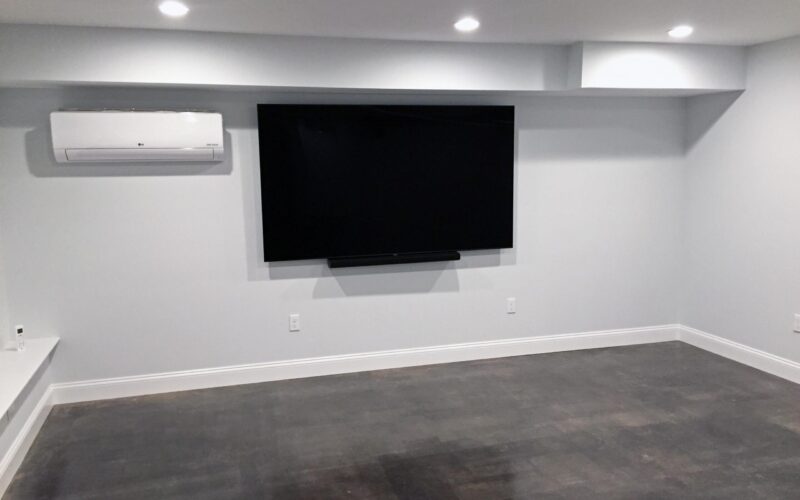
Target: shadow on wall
(435, 277)
(385, 280)
(591, 128)
(703, 112)
(42, 162)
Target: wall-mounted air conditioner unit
(136, 136)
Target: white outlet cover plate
(294, 322)
(511, 305)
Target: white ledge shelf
(18, 368)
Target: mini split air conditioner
(136, 136)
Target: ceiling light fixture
(172, 8)
(467, 24)
(681, 31)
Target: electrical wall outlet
(511, 305)
(294, 322)
(797, 323)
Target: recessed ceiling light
(681, 31)
(172, 8)
(466, 24)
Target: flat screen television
(362, 180)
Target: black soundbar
(395, 258)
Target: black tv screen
(361, 180)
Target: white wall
(153, 269)
(58, 55)
(742, 269)
(607, 65)
(5, 322)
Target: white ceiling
(739, 22)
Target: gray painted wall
(5, 323)
(742, 267)
(59, 55)
(152, 269)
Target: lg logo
(141, 144)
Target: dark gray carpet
(653, 421)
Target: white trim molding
(760, 360)
(120, 387)
(13, 457)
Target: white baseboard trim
(92, 390)
(760, 360)
(11, 461)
